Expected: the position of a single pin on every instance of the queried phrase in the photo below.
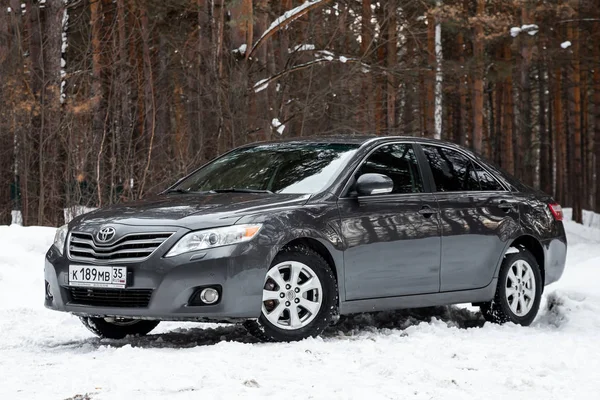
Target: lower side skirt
(420, 300)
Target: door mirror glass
(371, 184)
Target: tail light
(556, 211)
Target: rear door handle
(505, 205)
(427, 211)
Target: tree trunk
(4, 38)
(125, 129)
(54, 11)
(242, 25)
(392, 61)
(7, 157)
(438, 112)
(546, 172)
(527, 166)
(499, 101)
(462, 92)
(430, 76)
(36, 154)
(149, 96)
(263, 125)
(366, 47)
(478, 76)
(597, 111)
(586, 165)
(97, 90)
(410, 86)
(508, 155)
(559, 136)
(575, 122)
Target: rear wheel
(519, 290)
(118, 328)
(299, 297)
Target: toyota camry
(286, 236)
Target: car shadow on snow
(347, 326)
(402, 319)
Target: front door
(477, 216)
(392, 240)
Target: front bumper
(239, 270)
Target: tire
(513, 289)
(104, 328)
(281, 293)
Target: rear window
(486, 180)
(452, 171)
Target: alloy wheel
(520, 288)
(292, 295)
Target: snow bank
(590, 219)
(588, 232)
(438, 352)
(75, 211)
(22, 252)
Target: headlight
(209, 238)
(60, 237)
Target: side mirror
(370, 184)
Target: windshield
(278, 168)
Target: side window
(486, 180)
(452, 171)
(398, 161)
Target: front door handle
(427, 211)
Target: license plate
(97, 276)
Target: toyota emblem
(105, 234)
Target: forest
(105, 101)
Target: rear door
(392, 240)
(477, 217)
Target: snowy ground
(440, 353)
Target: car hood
(194, 211)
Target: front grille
(129, 298)
(129, 248)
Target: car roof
(350, 139)
(354, 139)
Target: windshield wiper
(240, 190)
(183, 191)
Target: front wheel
(118, 328)
(299, 297)
(519, 290)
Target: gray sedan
(285, 237)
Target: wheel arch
(534, 246)
(320, 248)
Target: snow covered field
(440, 353)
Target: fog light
(209, 296)
(48, 291)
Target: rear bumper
(238, 270)
(555, 259)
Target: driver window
(398, 161)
